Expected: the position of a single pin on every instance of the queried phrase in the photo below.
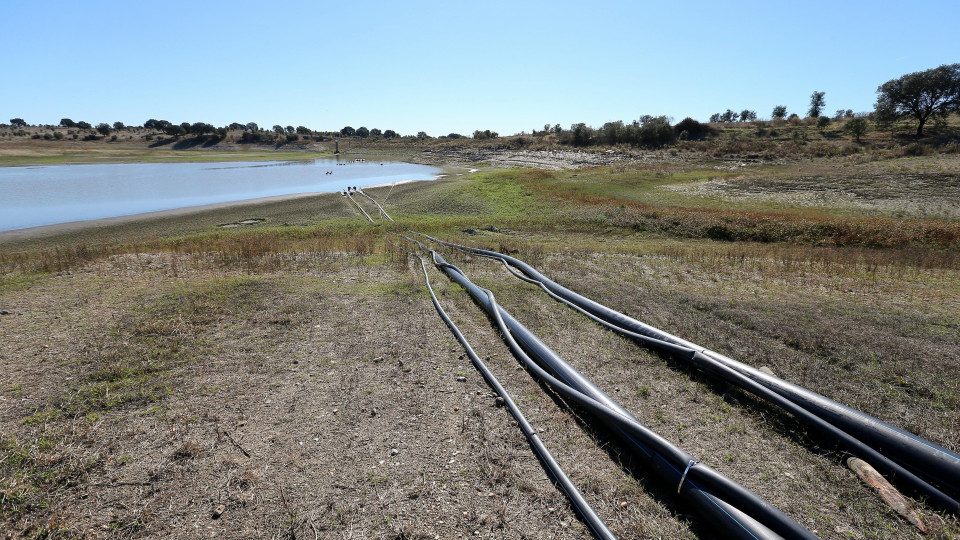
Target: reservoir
(34, 196)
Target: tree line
(924, 96)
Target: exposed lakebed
(35, 196)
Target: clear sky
(453, 65)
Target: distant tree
(119, 125)
(557, 129)
(375, 132)
(656, 132)
(162, 125)
(18, 122)
(715, 118)
(455, 136)
(200, 128)
(303, 130)
(291, 137)
(690, 129)
(857, 127)
(921, 95)
(236, 125)
(67, 123)
(103, 128)
(390, 134)
(848, 113)
(581, 135)
(779, 112)
(822, 123)
(222, 133)
(747, 115)
(277, 128)
(817, 103)
(839, 114)
(347, 131)
(362, 132)
(422, 135)
(485, 134)
(794, 117)
(252, 126)
(290, 129)
(84, 125)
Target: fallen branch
(235, 443)
(887, 492)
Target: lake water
(33, 196)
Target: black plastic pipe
(726, 504)
(933, 462)
(576, 498)
(855, 447)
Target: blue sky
(455, 66)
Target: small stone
(623, 504)
(500, 401)
(394, 451)
(373, 412)
(218, 511)
(461, 379)
(4, 312)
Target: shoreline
(71, 226)
(39, 232)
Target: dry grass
(153, 372)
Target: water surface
(34, 196)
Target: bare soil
(287, 376)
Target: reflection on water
(33, 196)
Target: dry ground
(289, 378)
(143, 391)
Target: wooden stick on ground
(887, 492)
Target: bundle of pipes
(349, 194)
(924, 467)
(374, 201)
(730, 507)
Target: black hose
(911, 452)
(576, 498)
(852, 445)
(721, 501)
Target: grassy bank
(157, 369)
